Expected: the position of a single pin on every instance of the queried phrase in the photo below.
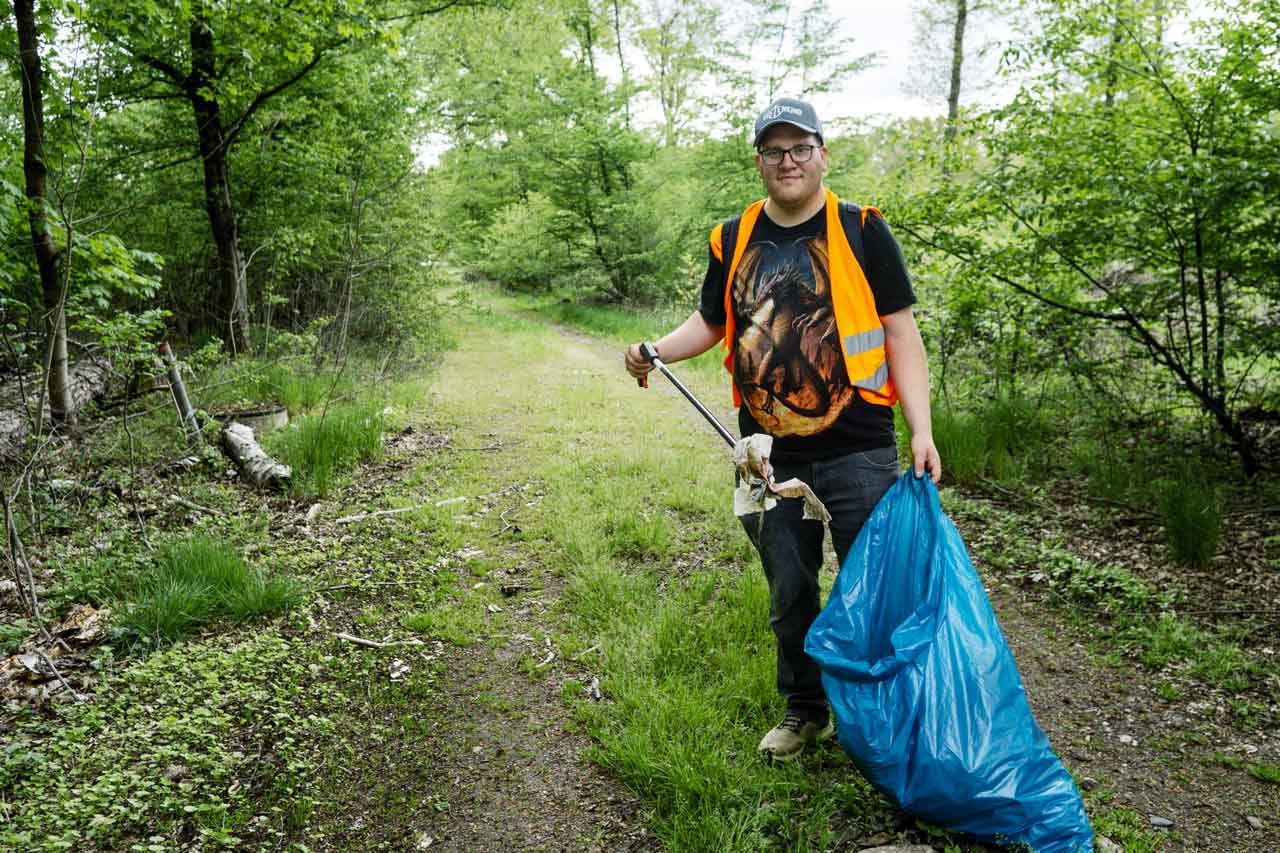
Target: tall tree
(957, 62)
(35, 170)
(226, 62)
(951, 36)
(677, 40)
(1148, 221)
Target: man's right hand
(637, 365)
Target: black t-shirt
(788, 362)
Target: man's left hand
(924, 455)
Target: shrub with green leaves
(198, 582)
(525, 248)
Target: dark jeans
(791, 550)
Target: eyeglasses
(799, 154)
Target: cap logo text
(780, 109)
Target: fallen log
(86, 381)
(253, 463)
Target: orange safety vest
(861, 333)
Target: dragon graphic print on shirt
(787, 360)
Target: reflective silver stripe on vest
(875, 381)
(863, 341)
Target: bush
(522, 249)
(1192, 514)
(198, 582)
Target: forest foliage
(1102, 236)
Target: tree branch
(1021, 288)
(265, 95)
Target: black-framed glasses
(799, 154)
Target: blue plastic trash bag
(927, 699)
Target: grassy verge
(198, 582)
(199, 747)
(212, 710)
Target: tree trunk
(622, 63)
(1113, 49)
(200, 90)
(953, 94)
(34, 170)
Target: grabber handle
(648, 352)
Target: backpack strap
(728, 242)
(851, 217)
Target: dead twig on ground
(208, 510)
(582, 654)
(497, 445)
(357, 584)
(382, 513)
(79, 697)
(350, 519)
(22, 574)
(1227, 612)
(377, 644)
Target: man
(822, 342)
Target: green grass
(321, 447)
(1110, 473)
(1192, 512)
(195, 583)
(460, 623)
(300, 391)
(1004, 439)
(1127, 828)
(962, 444)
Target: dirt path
(1163, 759)
(507, 768)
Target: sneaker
(788, 738)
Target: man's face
(790, 183)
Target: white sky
(884, 27)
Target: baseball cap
(789, 111)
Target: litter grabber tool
(651, 355)
(756, 492)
